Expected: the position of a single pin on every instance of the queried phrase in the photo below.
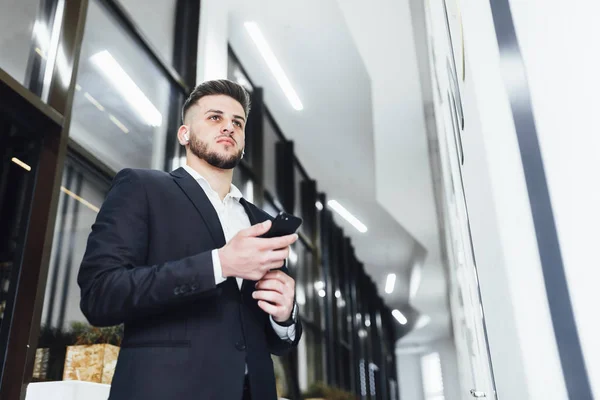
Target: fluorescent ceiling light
(415, 281)
(118, 123)
(80, 199)
(271, 60)
(319, 205)
(423, 321)
(400, 317)
(21, 164)
(321, 293)
(337, 207)
(319, 285)
(127, 87)
(389, 283)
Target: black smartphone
(283, 224)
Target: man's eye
(238, 123)
(214, 117)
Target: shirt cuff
(217, 267)
(287, 333)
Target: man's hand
(250, 257)
(275, 295)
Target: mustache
(226, 137)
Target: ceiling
(362, 133)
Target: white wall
(410, 380)
(447, 351)
(562, 72)
(520, 333)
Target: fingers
(268, 308)
(271, 284)
(277, 243)
(280, 276)
(278, 255)
(269, 295)
(256, 230)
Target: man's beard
(200, 149)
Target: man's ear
(183, 135)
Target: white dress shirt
(233, 218)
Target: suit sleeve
(115, 284)
(275, 343)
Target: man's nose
(228, 127)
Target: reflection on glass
(19, 151)
(82, 194)
(124, 107)
(270, 139)
(157, 23)
(18, 31)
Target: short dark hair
(217, 87)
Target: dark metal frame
(53, 119)
(23, 327)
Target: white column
(212, 42)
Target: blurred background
(442, 153)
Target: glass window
(270, 139)
(18, 26)
(314, 355)
(433, 384)
(157, 23)
(298, 178)
(82, 194)
(124, 107)
(20, 151)
(236, 73)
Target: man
(179, 260)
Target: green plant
(323, 391)
(86, 334)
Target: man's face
(217, 130)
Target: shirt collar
(233, 190)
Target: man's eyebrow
(215, 111)
(221, 112)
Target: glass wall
(125, 114)
(349, 336)
(22, 36)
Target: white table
(67, 390)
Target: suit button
(194, 287)
(240, 346)
(184, 289)
(177, 291)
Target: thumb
(258, 229)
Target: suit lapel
(196, 194)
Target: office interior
(443, 155)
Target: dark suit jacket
(148, 265)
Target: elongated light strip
(273, 64)
(80, 199)
(21, 164)
(390, 283)
(337, 207)
(400, 317)
(127, 87)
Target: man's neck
(218, 179)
